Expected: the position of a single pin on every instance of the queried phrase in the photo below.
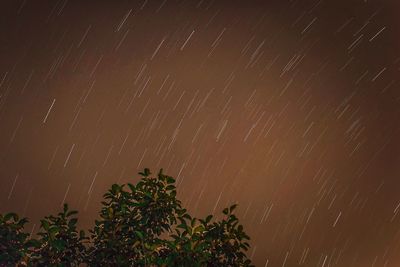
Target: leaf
(145, 173)
(182, 226)
(139, 234)
(72, 212)
(132, 187)
(187, 216)
(45, 224)
(170, 187)
(72, 222)
(59, 244)
(33, 243)
(115, 188)
(82, 234)
(232, 208)
(208, 218)
(110, 212)
(199, 228)
(22, 222)
(139, 204)
(10, 215)
(182, 220)
(225, 211)
(170, 180)
(54, 230)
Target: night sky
(289, 108)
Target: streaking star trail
(288, 108)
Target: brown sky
(290, 108)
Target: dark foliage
(14, 244)
(139, 225)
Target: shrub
(139, 225)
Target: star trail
(289, 108)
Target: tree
(59, 242)
(13, 241)
(139, 225)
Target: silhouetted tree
(59, 242)
(14, 245)
(139, 225)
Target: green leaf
(225, 211)
(139, 234)
(110, 212)
(198, 229)
(82, 234)
(72, 212)
(65, 207)
(170, 187)
(170, 180)
(33, 243)
(45, 224)
(182, 226)
(132, 187)
(115, 188)
(145, 173)
(59, 244)
(232, 208)
(72, 222)
(187, 216)
(54, 230)
(10, 215)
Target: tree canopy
(138, 225)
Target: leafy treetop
(139, 225)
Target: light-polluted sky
(289, 108)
